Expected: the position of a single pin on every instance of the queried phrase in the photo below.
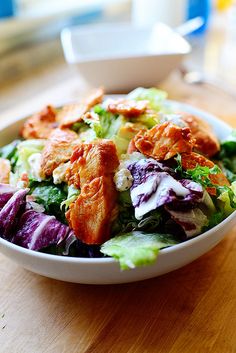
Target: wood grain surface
(189, 310)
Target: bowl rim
(72, 58)
(105, 260)
(110, 260)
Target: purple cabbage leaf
(6, 192)
(192, 221)
(154, 185)
(9, 213)
(24, 223)
(36, 231)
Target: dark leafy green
(228, 146)
(227, 156)
(51, 197)
(10, 152)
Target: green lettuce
(72, 195)
(228, 145)
(10, 152)
(51, 197)
(154, 96)
(25, 149)
(227, 156)
(228, 200)
(136, 248)
(108, 124)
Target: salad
(122, 178)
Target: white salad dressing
(34, 161)
(166, 183)
(59, 173)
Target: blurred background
(31, 55)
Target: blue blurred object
(200, 8)
(7, 8)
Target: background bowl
(107, 270)
(122, 57)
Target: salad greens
(154, 96)
(136, 248)
(158, 202)
(10, 152)
(51, 197)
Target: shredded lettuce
(25, 150)
(228, 200)
(154, 96)
(108, 124)
(149, 119)
(136, 248)
(72, 195)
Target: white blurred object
(124, 56)
(147, 12)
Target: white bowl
(107, 270)
(122, 57)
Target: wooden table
(190, 310)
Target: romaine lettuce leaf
(136, 248)
(228, 145)
(51, 197)
(154, 96)
(25, 150)
(228, 200)
(72, 195)
(10, 152)
(108, 124)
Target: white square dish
(122, 57)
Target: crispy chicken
(127, 108)
(58, 149)
(92, 160)
(73, 113)
(92, 169)
(206, 142)
(164, 141)
(40, 125)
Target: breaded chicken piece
(40, 125)
(164, 141)
(73, 113)
(129, 130)
(5, 169)
(91, 215)
(127, 108)
(92, 169)
(206, 142)
(192, 160)
(92, 160)
(58, 149)
(131, 148)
